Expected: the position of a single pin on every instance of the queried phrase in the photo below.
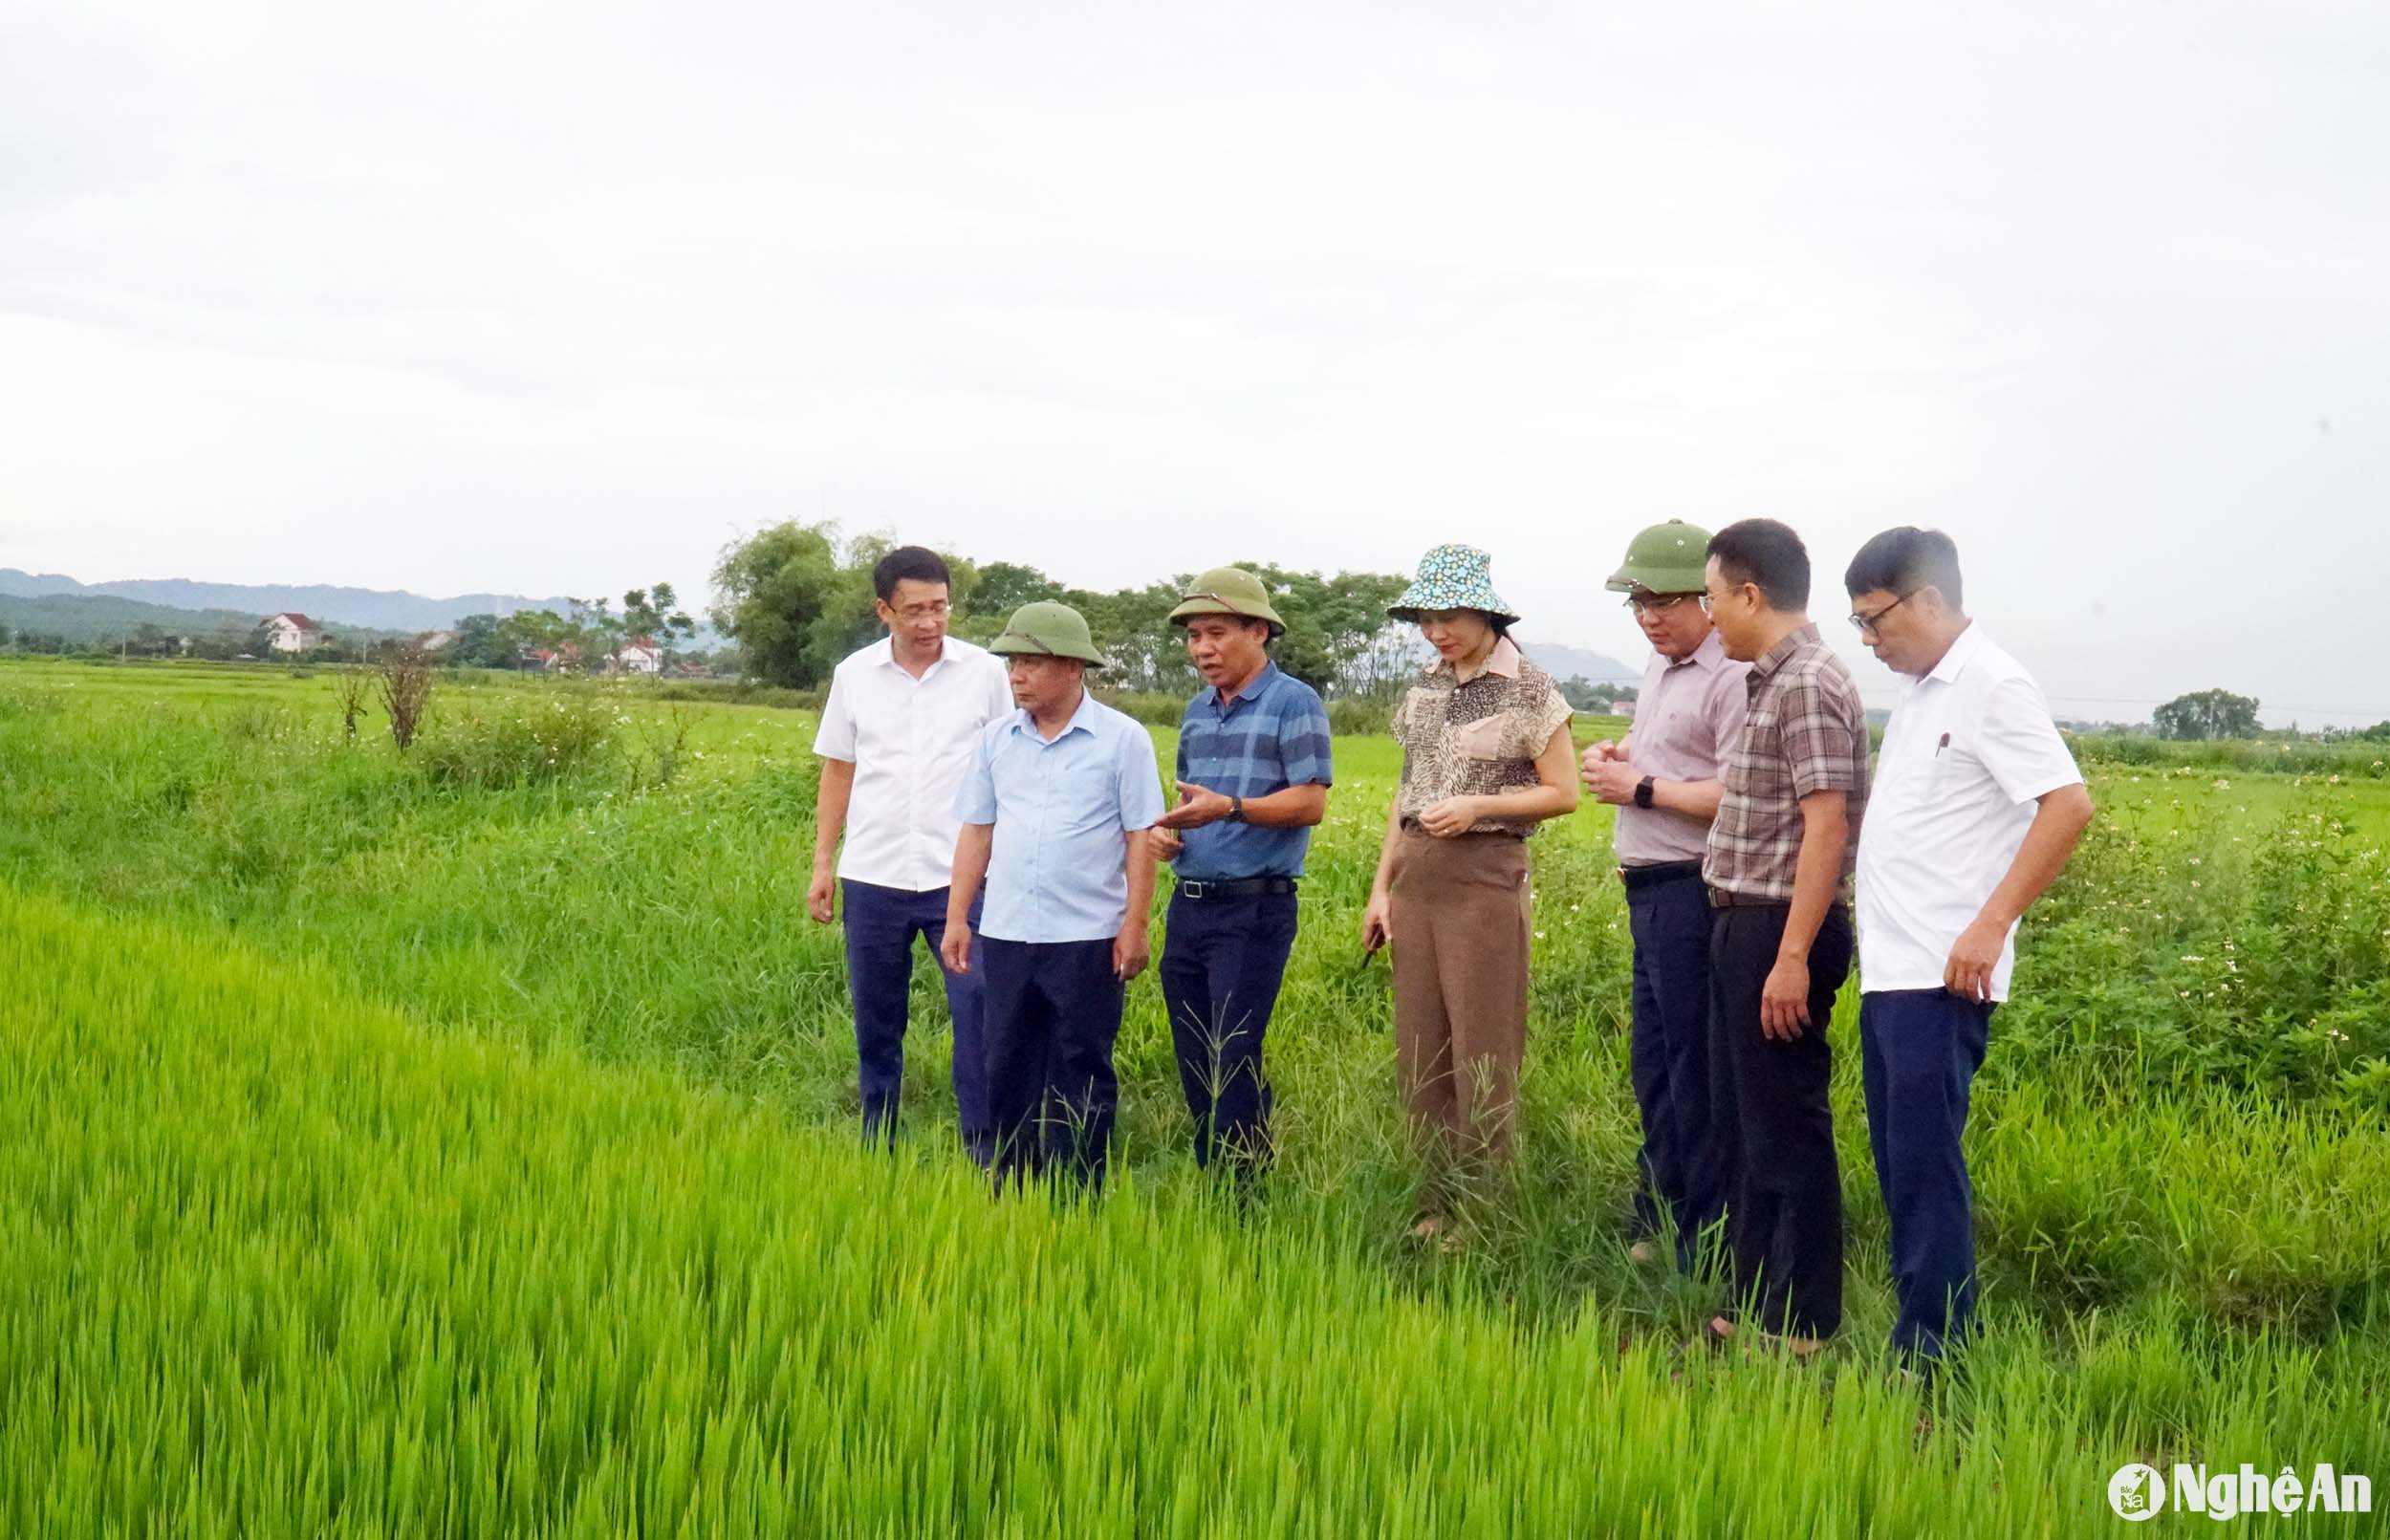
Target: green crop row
(281, 1264)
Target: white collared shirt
(1969, 750)
(910, 740)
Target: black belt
(1639, 878)
(1724, 898)
(1242, 887)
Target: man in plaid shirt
(1778, 865)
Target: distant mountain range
(102, 619)
(1565, 663)
(84, 612)
(370, 609)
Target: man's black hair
(1768, 554)
(1903, 560)
(917, 563)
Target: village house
(291, 632)
(639, 655)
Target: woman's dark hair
(1903, 560)
(1768, 554)
(917, 563)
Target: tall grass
(2177, 1183)
(284, 1265)
(2353, 758)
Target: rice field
(399, 1150)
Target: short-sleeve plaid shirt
(1273, 735)
(1804, 731)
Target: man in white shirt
(897, 735)
(1977, 806)
(1664, 779)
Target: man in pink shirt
(1664, 780)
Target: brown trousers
(1460, 927)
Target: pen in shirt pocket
(1940, 747)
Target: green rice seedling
(398, 1154)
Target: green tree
(542, 631)
(1003, 587)
(1332, 622)
(1583, 694)
(797, 600)
(2207, 714)
(596, 630)
(775, 587)
(656, 613)
(483, 642)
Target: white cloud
(557, 297)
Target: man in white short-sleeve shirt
(897, 735)
(1977, 805)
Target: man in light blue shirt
(1057, 809)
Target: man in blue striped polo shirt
(1253, 778)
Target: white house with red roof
(639, 655)
(291, 632)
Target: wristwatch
(1236, 810)
(1642, 792)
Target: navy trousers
(881, 924)
(1222, 963)
(1053, 1011)
(1921, 1050)
(1784, 1216)
(1669, 919)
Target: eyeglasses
(1864, 623)
(932, 610)
(1662, 603)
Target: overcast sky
(560, 298)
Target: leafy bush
(735, 692)
(2351, 760)
(524, 742)
(1152, 708)
(1352, 718)
(2183, 947)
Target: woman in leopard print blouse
(1487, 758)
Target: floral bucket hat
(1452, 578)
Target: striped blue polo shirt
(1273, 736)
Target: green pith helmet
(1046, 629)
(1227, 590)
(1666, 558)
